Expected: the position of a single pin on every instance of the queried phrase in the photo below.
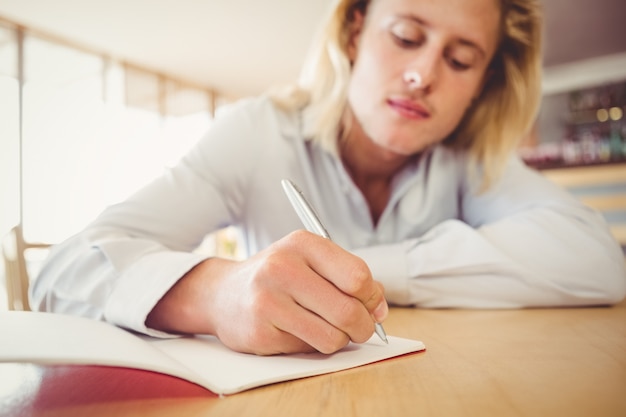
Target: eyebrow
(462, 41)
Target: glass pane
(8, 52)
(9, 131)
(182, 100)
(143, 89)
(181, 133)
(62, 119)
(187, 117)
(93, 134)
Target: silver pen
(313, 224)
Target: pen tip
(381, 333)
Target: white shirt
(438, 243)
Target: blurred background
(97, 97)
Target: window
(94, 131)
(63, 113)
(86, 132)
(9, 130)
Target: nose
(413, 79)
(421, 72)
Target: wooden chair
(16, 271)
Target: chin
(390, 153)
(403, 149)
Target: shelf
(588, 175)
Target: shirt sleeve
(121, 265)
(104, 276)
(524, 243)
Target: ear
(355, 24)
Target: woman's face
(450, 44)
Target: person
(401, 130)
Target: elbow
(610, 274)
(602, 283)
(616, 284)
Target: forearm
(107, 276)
(186, 307)
(286, 298)
(523, 261)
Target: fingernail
(381, 311)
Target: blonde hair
(490, 130)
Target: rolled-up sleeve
(523, 243)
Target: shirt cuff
(388, 264)
(142, 285)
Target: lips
(408, 108)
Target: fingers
(305, 304)
(330, 282)
(255, 303)
(302, 293)
(271, 322)
(311, 330)
(344, 270)
(347, 316)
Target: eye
(405, 42)
(461, 58)
(459, 65)
(407, 34)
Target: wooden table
(544, 362)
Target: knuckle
(364, 331)
(296, 238)
(354, 321)
(359, 277)
(270, 269)
(348, 313)
(364, 336)
(334, 343)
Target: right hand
(301, 294)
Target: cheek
(449, 119)
(365, 75)
(372, 66)
(456, 110)
(364, 87)
(455, 100)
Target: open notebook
(61, 339)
